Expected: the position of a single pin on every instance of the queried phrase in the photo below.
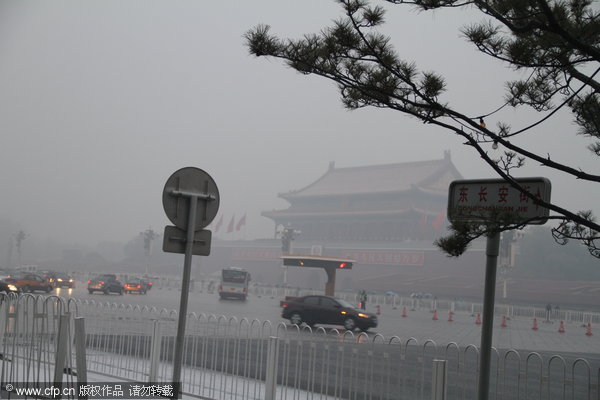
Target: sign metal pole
(487, 326)
(185, 287)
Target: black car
(60, 279)
(7, 287)
(327, 310)
(106, 284)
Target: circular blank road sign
(177, 193)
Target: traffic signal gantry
(329, 264)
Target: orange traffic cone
(503, 324)
(450, 314)
(435, 318)
(561, 328)
(478, 319)
(535, 325)
(404, 315)
(378, 309)
(588, 332)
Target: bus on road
(234, 283)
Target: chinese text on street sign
(484, 199)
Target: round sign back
(180, 187)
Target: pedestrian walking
(362, 298)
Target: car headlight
(12, 288)
(363, 315)
(59, 279)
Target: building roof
(433, 176)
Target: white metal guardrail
(37, 342)
(227, 355)
(227, 358)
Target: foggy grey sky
(101, 101)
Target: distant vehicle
(136, 285)
(29, 282)
(61, 279)
(420, 295)
(234, 283)
(106, 284)
(47, 275)
(147, 282)
(6, 287)
(327, 310)
(4, 274)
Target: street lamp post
(19, 240)
(287, 236)
(149, 235)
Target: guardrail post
(155, 351)
(80, 353)
(438, 382)
(61, 348)
(272, 363)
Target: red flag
(439, 220)
(218, 225)
(230, 226)
(241, 223)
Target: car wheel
(48, 289)
(91, 291)
(26, 289)
(349, 324)
(105, 291)
(296, 319)
(120, 292)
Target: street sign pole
(185, 291)
(191, 202)
(484, 201)
(487, 326)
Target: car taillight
(284, 305)
(102, 282)
(245, 290)
(149, 283)
(89, 281)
